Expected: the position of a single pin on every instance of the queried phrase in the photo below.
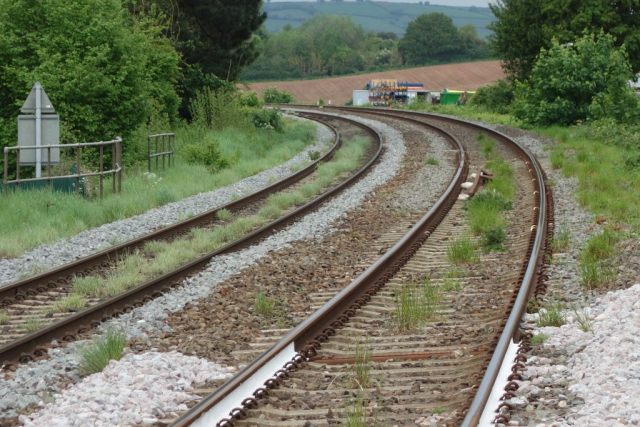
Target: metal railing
(115, 171)
(168, 148)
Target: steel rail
(529, 279)
(82, 321)
(45, 281)
(301, 343)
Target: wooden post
(163, 152)
(156, 138)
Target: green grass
(224, 214)
(161, 257)
(432, 161)
(583, 319)
(4, 317)
(264, 305)
(561, 240)
(595, 267)
(40, 217)
(416, 304)
(73, 302)
(361, 370)
(551, 315)
(539, 339)
(462, 251)
(96, 356)
(32, 325)
(451, 284)
(439, 410)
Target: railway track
(27, 298)
(442, 373)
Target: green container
(448, 97)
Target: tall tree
(430, 36)
(523, 27)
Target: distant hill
(376, 16)
(465, 76)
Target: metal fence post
(6, 172)
(18, 168)
(49, 166)
(119, 151)
(113, 166)
(78, 170)
(101, 168)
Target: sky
(478, 3)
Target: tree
(429, 36)
(105, 72)
(579, 81)
(523, 27)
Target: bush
(104, 71)
(572, 83)
(268, 119)
(496, 98)
(205, 153)
(271, 95)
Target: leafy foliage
(496, 98)
(523, 27)
(205, 153)
(268, 119)
(429, 36)
(587, 80)
(272, 95)
(105, 72)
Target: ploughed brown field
(465, 76)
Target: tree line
(331, 45)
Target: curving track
(32, 295)
(450, 367)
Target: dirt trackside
(465, 76)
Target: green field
(376, 16)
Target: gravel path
(90, 241)
(19, 390)
(158, 382)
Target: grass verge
(40, 217)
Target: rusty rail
(24, 348)
(233, 398)
(115, 171)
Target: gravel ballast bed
(20, 390)
(87, 242)
(158, 382)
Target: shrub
(268, 119)
(205, 153)
(493, 238)
(572, 83)
(496, 98)
(271, 95)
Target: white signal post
(38, 88)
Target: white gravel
(20, 391)
(87, 242)
(137, 389)
(603, 367)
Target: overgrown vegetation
(264, 305)
(4, 317)
(539, 339)
(96, 356)
(595, 267)
(416, 303)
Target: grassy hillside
(376, 16)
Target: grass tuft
(462, 251)
(32, 325)
(70, 303)
(561, 240)
(264, 305)
(432, 161)
(583, 319)
(415, 304)
(95, 357)
(224, 215)
(551, 315)
(362, 366)
(4, 317)
(539, 339)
